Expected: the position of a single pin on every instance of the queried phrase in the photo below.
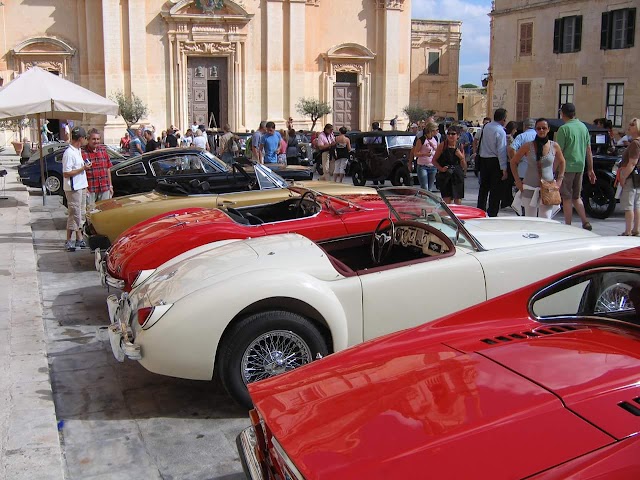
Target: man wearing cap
(575, 142)
(529, 135)
(75, 187)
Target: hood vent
(539, 332)
(630, 407)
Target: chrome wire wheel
(273, 353)
(614, 298)
(52, 184)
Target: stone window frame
(57, 57)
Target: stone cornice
(208, 47)
(540, 5)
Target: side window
(166, 166)
(567, 34)
(135, 169)
(603, 293)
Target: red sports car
(540, 383)
(149, 244)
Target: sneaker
(80, 244)
(70, 246)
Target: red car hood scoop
(391, 416)
(595, 371)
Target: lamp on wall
(486, 79)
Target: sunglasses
(542, 128)
(451, 133)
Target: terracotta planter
(18, 146)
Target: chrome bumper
(105, 279)
(120, 333)
(246, 443)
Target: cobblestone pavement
(117, 420)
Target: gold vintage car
(112, 217)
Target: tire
(53, 184)
(599, 199)
(255, 334)
(357, 176)
(401, 177)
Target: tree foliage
(417, 113)
(468, 85)
(313, 108)
(132, 108)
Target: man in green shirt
(575, 142)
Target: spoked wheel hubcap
(273, 353)
(52, 184)
(614, 298)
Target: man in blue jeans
(270, 143)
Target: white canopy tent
(39, 94)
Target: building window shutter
(557, 35)
(577, 34)
(631, 24)
(604, 30)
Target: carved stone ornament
(209, 47)
(209, 6)
(45, 65)
(315, 3)
(391, 4)
(348, 67)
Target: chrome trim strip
(292, 468)
(246, 443)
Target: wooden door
(207, 90)
(346, 106)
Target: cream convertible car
(250, 309)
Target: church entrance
(207, 91)
(346, 101)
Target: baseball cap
(78, 132)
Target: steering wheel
(300, 212)
(382, 241)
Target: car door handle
(227, 203)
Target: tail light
(148, 316)
(137, 278)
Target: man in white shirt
(529, 135)
(492, 150)
(75, 187)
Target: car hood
(206, 265)
(502, 232)
(404, 402)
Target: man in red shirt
(99, 175)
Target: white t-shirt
(200, 142)
(72, 160)
(186, 141)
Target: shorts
(571, 187)
(76, 204)
(340, 166)
(630, 197)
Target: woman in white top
(424, 150)
(200, 141)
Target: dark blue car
(30, 172)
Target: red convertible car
(540, 383)
(147, 245)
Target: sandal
(587, 226)
(635, 233)
(625, 234)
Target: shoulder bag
(549, 190)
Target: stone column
(273, 90)
(297, 49)
(113, 64)
(138, 48)
(392, 49)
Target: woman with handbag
(630, 181)
(540, 189)
(450, 162)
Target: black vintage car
(141, 174)
(599, 198)
(381, 156)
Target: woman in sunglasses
(545, 161)
(451, 164)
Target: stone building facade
(548, 52)
(229, 61)
(472, 104)
(435, 59)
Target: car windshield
(416, 205)
(400, 141)
(267, 178)
(220, 166)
